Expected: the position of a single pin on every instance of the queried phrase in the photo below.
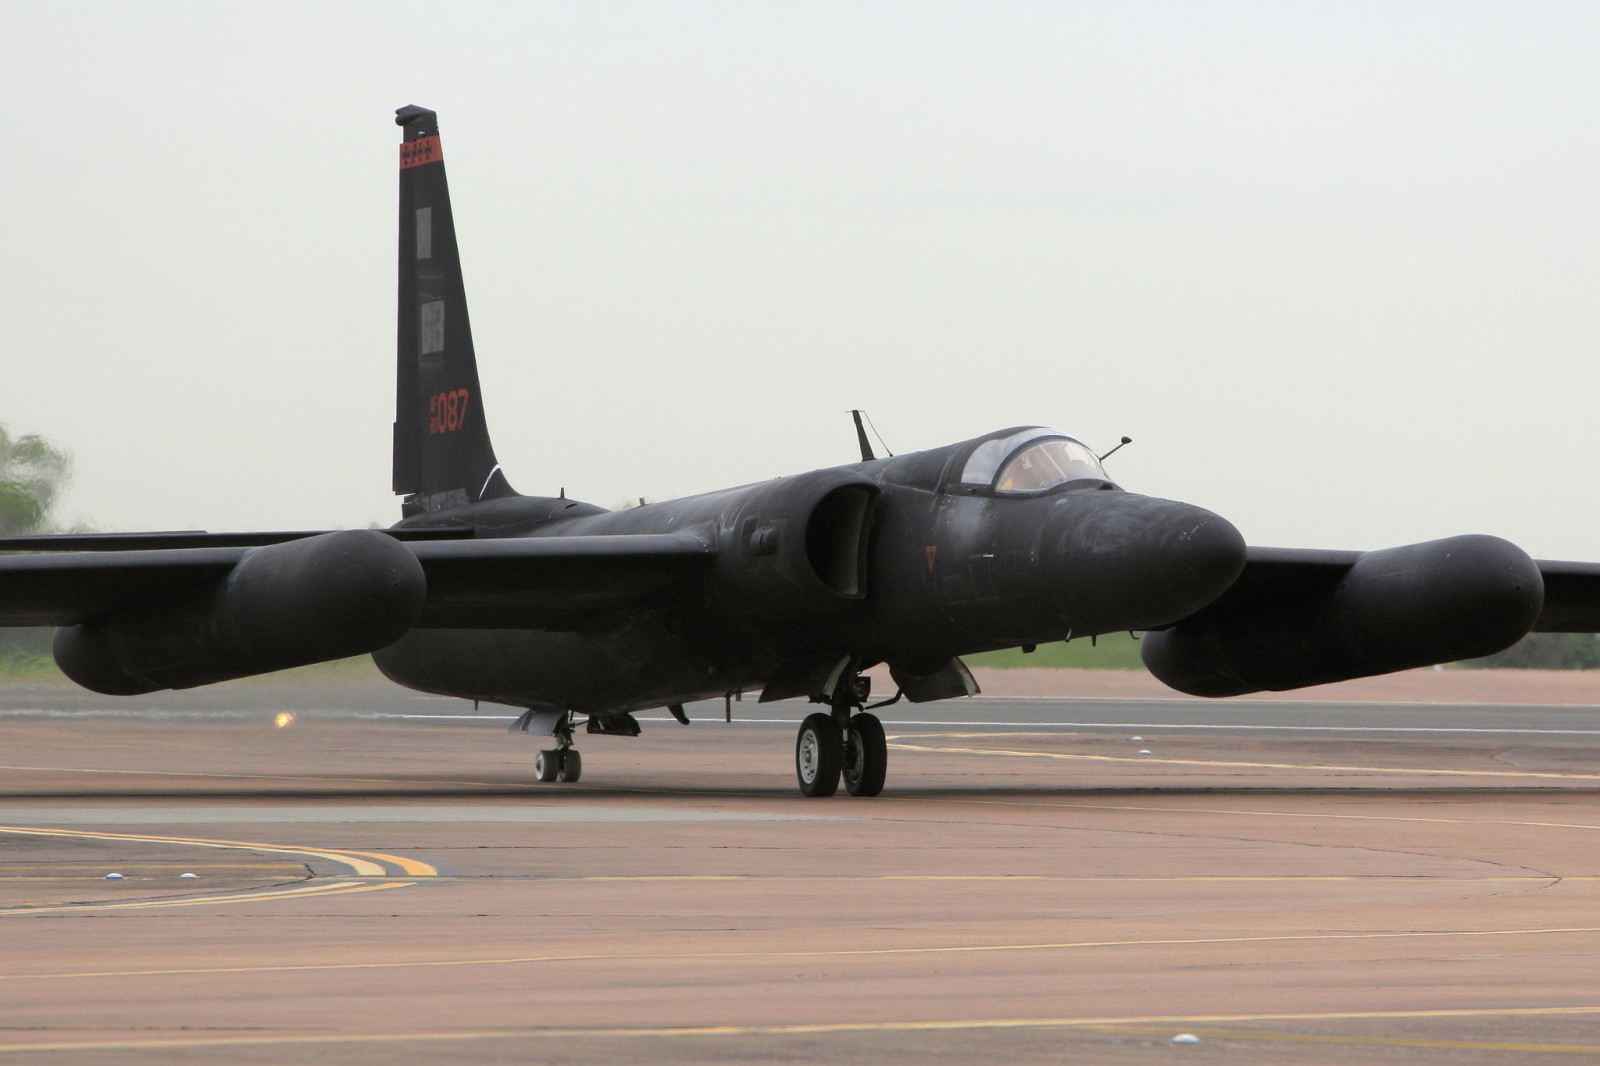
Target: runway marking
(823, 1028)
(1153, 727)
(1365, 1041)
(1149, 760)
(100, 866)
(360, 863)
(1299, 814)
(1161, 726)
(706, 956)
(1085, 878)
(339, 888)
(122, 818)
(398, 780)
(410, 867)
(194, 773)
(1259, 702)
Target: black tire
(866, 756)
(571, 765)
(547, 765)
(818, 752)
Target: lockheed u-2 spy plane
(583, 616)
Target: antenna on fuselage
(861, 438)
(1113, 451)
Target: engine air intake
(836, 538)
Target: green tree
(1545, 651)
(33, 473)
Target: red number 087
(447, 411)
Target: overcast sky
(1336, 267)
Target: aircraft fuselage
(889, 560)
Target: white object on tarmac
(1186, 1038)
(1144, 751)
(188, 877)
(113, 877)
(1136, 738)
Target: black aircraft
(795, 586)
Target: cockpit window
(987, 457)
(1048, 464)
(1031, 460)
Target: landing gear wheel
(571, 765)
(547, 765)
(866, 756)
(818, 751)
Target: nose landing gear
(838, 743)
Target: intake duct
(1395, 609)
(797, 548)
(290, 604)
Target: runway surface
(381, 880)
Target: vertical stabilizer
(442, 454)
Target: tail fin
(442, 454)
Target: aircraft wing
(199, 538)
(1278, 575)
(1571, 598)
(65, 589)
(534, 582)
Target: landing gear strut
(562, 762)
(838, 742)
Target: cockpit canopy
(1031, 461)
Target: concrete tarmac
(380, 880)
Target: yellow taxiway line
(1149, 760)
(368, 864)
(409, 867)
(334, 888)
(360, 863)
(1141, 1024)
(1310, 815)
(829, 953)
(1265, 1036)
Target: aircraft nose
(1124, 561)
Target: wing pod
(1304, 621)
(305, 601)
(797, 548)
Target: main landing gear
(562, 762)
(838, 743)
(558, 764)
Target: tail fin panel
(442, 453)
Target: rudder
(442, 453)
